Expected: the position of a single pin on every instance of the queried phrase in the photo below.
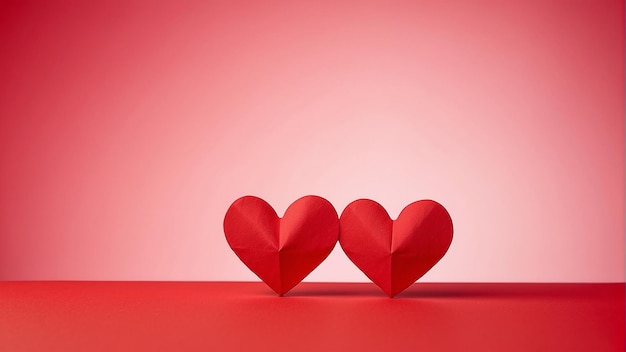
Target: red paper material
(281, 252)
(105, 316)
(394, 254)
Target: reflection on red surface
(154, 316)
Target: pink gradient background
(128, 127)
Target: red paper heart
(394, 254)
(281, 252)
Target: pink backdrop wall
(128, 127)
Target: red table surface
(223, 316)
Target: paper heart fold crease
(281, 252)
(391, 253)
(394, 254)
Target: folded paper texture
(394, 254)
(281, 252)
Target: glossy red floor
(213, 316)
